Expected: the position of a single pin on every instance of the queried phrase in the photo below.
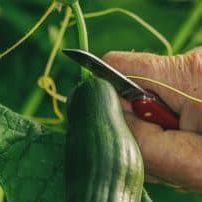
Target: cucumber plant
(32, 155)
(73, 11)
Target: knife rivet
(148, 114)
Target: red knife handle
(154, 112)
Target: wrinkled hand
(169, 156)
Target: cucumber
(103, 162)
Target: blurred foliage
(20, 70)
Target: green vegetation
(31, 160)
(23, 139)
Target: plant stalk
(187, 27)
(83, 35)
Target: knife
(146, 104)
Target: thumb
(182, 72)
(174, 157)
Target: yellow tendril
(49, 86)
(47, 83)
(31, 31)
(189, 97)
(58, 42)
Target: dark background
(20, 70)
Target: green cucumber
(103, 162)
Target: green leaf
(31, 160)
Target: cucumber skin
(103, 162)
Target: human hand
(170, 156)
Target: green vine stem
(188, 26)
(83, 35)
(135, 17)
(58, 41)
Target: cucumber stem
(187, 27)
(83, 35)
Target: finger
(182, 72)
(197, 50)
(127, 107)
(177, 72)
(172, 156)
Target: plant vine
(74, 15)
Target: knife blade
(124, 86)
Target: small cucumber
(103, 162)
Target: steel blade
(125, 87)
